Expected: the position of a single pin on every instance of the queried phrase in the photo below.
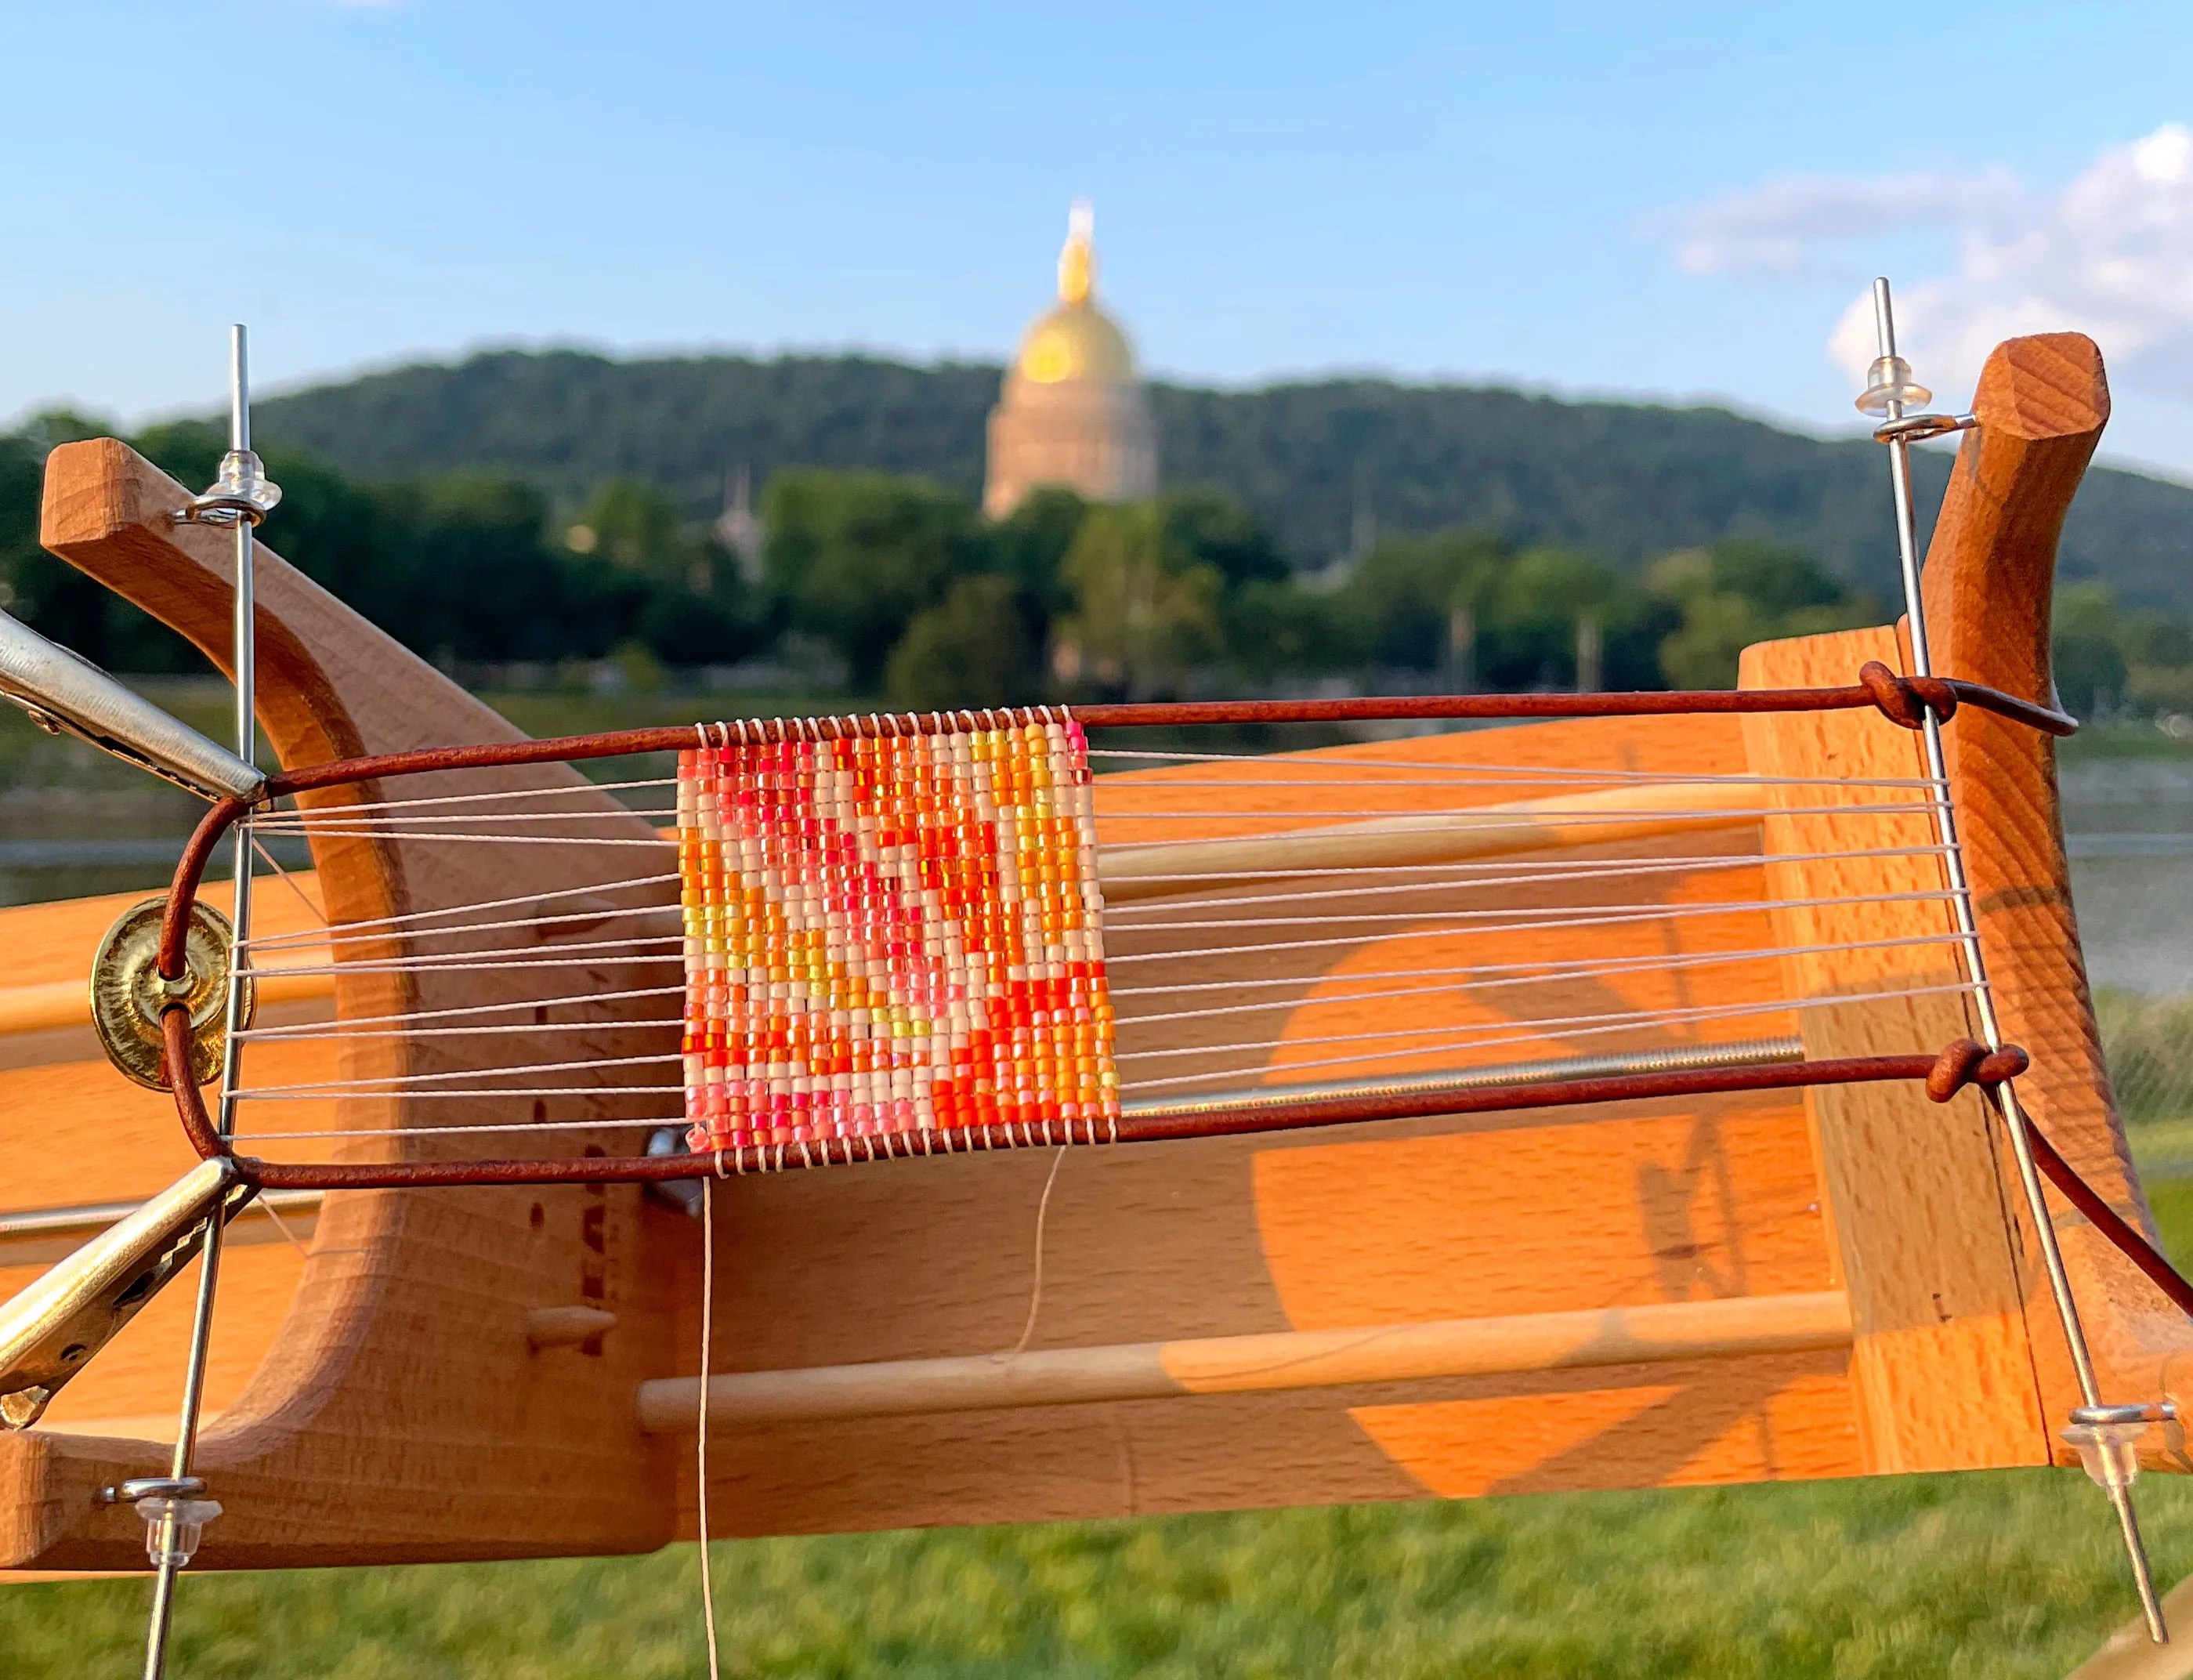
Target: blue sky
(1681, 203)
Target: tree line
(1185, 593)
(1312, 460)
(922, 602)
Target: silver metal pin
(1890, 389)
(241, 496)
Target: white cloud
(2110, 254)
(1779, 228)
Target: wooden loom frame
(384, 1427)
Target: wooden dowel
(89, 1218)
(55, 1005)
(1647, 811)
(1300, 1359)
(566, 1327)
(44, 1007)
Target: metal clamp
(65, 694)
(53, 1329)
(683, 1194)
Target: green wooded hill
(1621, 481)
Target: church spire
(1077, 262)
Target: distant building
(737, 527)
(1073, 411)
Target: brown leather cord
(2046, 718)
(1905, 700)
(175, 919)
(190, 1104)
(2105, 1218)
(1132, 1128)
(1968, 1062)
(1896, 697)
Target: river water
(2129, 826)
(2128, 823)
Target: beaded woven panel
(893, 937)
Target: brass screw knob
(129, 994)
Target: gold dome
(1076, 341)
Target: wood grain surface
(1942, 1365)
(1988, 584)
(399, 1396)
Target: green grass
(2149, 1042)
(2006, 1574)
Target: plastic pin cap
(1889, 385)
(173, 1527)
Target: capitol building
(1073, 411)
